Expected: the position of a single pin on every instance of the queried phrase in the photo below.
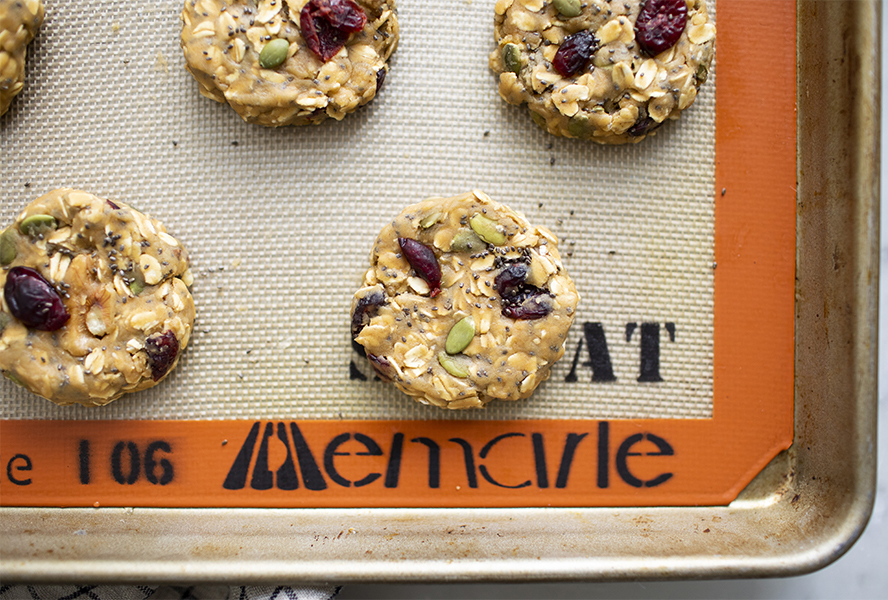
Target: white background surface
(861, 574)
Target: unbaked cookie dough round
(610, 72)
(19, 22)
(289, 62)
(465, 302)
(95, 299)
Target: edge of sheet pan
(801, 513)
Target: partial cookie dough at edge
(19, 22)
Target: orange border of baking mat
(507, 463)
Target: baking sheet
(280, 222)
(802, 512)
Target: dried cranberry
(327, 24)
(526, 303)
(643, 126)
(423, 260)
(510, 279)
(534, 306)
(381, 366)
(33, 301)
(162, 349)
(659, 25)
(574, 53)
(364, 311)
(520, 300)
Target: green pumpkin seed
(4, 320)
(37, 224)
(578, 125)
(487, 229)
(429, 220)
(540, 120)
(7, 247)
(512, 58)
(453, 365)
(466, 240)
(137, 285)
(274, 54)
(460, 336)
(13, 378)
(568, 8)
(702, 74)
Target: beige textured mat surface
(280, 222)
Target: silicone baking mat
(280, 222)
(681, 248)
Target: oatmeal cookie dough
(610, 72)
(281, 62)
(19, 22)
(465, 302)
(95, 299)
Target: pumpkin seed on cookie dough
(19, 22)
(289, 62)
(465, 303)
(95, 300)
(610, 72)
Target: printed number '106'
(127, 462)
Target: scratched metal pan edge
(801, 513)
